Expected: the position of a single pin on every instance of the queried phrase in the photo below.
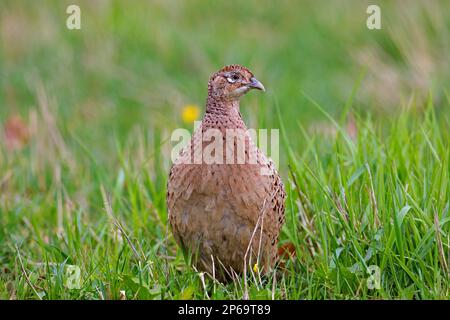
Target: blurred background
(82, 109)
(138, 64)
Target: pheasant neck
(223, 113)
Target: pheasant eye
(233, 78)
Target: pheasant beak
(255, 84)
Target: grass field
(364, 121)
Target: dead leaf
(16, 133)
(286, 250)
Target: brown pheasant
(228, 208)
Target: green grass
(364, 148)
(381, 199)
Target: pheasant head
(231, 82)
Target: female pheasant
(226, 206)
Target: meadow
(85, 123)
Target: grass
(380, 198)
(364, 155)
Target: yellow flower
(190, 113)
(255, 268)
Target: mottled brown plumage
(216, 210)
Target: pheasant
(228, 212)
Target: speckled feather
(214, 209)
